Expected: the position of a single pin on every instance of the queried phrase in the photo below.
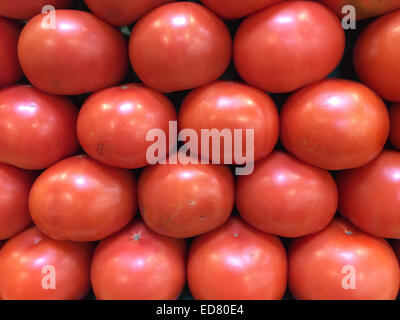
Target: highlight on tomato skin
(62, 266)
(139, 264)
(237, 262)
(364, 9)
(342, 262)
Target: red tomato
(10, 70)
(237, 262)
(14, 193)
(80, 199)
(35, 267)
(233, 9)
(82, 54)
(116, 134)
(394, 112)
(335, 124)
(342, 263)
(364, 8)
(369, 196)
(36, 129)
(230, 105)
(185, 200)
(287, 197)
(139, 264)
(122, 12)
(179, 46)
(24, 10)
(288, 46)
(376, 56)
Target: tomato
(139, 264)
(179, 46)
(10, 69)
(233, 9)
(122, 12)
(237, 262)
(80, 199)
(82, 54)
(394, 112)
(24, 10)
(14, 193)
(116, 134)
(376, 57)
(364, 8)
(369, 196)
(35, 267)
(230, 105)
(335, 124)
(280, 49)
(185, 200)
(36, 129)
(342, 263)
(287, 197)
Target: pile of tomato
(81, 208)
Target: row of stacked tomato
(71, 178)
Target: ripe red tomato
(80, 199)
(24, 10)
(14, 190)
(113, 124)
(230, 105)
(36, 129)
(236, 262)
(233, 9)
(122, 12)
(185, 200)
(364, 8)
(35, 267)
(139, 264)
(369, 196)
(335, 124)
(342, 263)
(287, 197)
(10, 70)
(376, 56)
(82, 54)
(280, 49)
(179, 46)
(394, 113)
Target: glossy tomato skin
(14, 189)
(179, 46)
(286, 197)
(364, 8)
(320, 264)
(231, 105)
(24, 268)
(80, 199)
(376, 56)
(279, 49)
(24, 10)
(82, 54)
(116, 135)
(10, 69)
(123, 12)
(185, 200)
(234, 9)
(368, 196)
(139, 264)
(335, 124)
(394, 113)
(36, 129)
(237, 262)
